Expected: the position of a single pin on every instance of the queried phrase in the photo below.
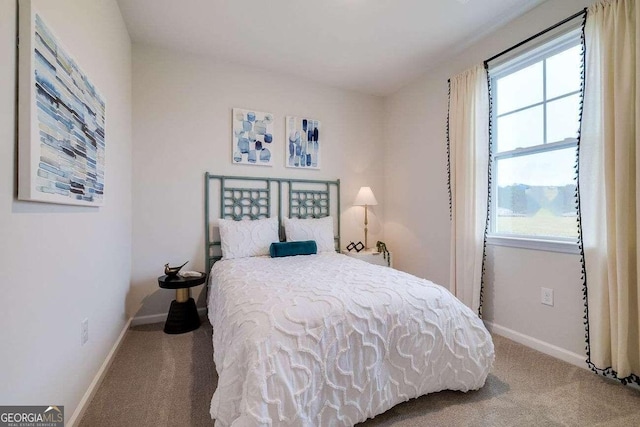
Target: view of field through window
(536, 128)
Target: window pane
(521, 129)
(563, 118)
(536, 195)
(563, 72)
(519, 89)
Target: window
(535, 122)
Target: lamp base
(366, 229)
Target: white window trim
(506, 67)
(528, 242)
(536, 149)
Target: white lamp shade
(365, 197)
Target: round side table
(183, 314)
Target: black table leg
(183, 317)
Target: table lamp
(365, 198)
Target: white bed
(328, 340)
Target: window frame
(540, 51)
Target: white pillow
(318, 229)
(246, 238)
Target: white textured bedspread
(328, 340)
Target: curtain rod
(546, 30)
(582, 12)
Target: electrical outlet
(84, 331)
(546, 297)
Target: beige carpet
(168, 380)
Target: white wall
(417, 221)
(182, 128)
(61, 264)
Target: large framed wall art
(303, 148)
(61, 135)
(252, 139)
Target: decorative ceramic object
(173, 271)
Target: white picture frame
(252, 138)
(62, 120)
(303, 149)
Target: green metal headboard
(242, 197)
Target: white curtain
(468, 176)
(609, 180)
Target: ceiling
(370, 46)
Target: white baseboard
(158, 318)
(93, 387)
(536, 344)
